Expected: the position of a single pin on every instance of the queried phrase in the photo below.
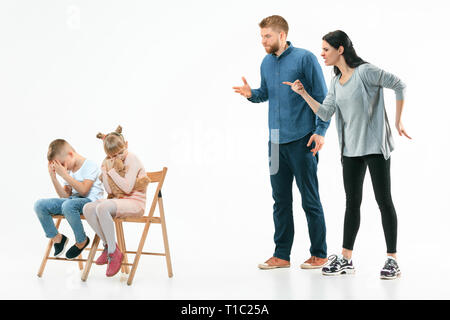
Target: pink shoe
(114, 262)
(103, 259)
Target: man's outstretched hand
(245, 90)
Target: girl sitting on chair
(125, 180)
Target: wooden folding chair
(158, 177)
(79, 259)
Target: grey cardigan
(373, 81)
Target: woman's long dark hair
(340, 38)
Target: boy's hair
(275, 22)
(56, 147)
(113, 142)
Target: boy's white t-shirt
(90, 171)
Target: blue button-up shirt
(290, 117)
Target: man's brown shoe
(314, 263)
(274, 263)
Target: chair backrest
(156, 177)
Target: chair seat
(122, 219)
(60, 216)
(139, 219)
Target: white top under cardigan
(361, 119)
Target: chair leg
(138, 253)
(119, 243)
(90, 258)
(124, 247)
(44, 260)
(166, 240)
(80, 263)
(47, 251)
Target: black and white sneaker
(338, 265)
(59, 247)
(390, 269)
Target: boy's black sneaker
(59, 247)
(337, 266)
(74, 251)
(390, 269)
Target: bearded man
(296, 136)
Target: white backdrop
(164, 71)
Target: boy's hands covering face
(59, 168)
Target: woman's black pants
(354, 170)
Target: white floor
(206, 281)
(223, 277)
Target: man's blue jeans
(71, 208)
(296, 160)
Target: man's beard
(274, 48)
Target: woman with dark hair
(356, 96)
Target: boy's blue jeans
(71, 208)
(296, 160)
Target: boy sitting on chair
(81, 185)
